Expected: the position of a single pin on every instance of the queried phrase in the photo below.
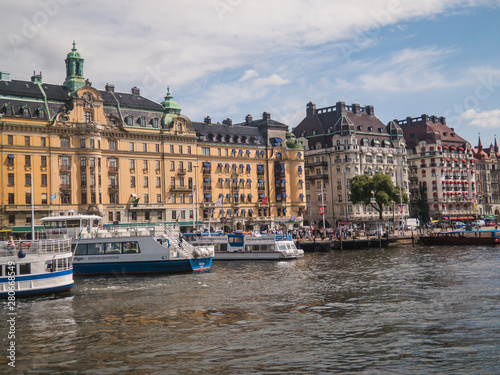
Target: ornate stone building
(341, 142)
(442, 180)
(74, 148)
(487, 176)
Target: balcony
(317, 176)
(113, 188)
(180, 189)
(312, 164)
(65, 186)
(207, 205)
(65, 168)
(207, 188)
(181, 171)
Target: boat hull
(141, 267)
(489, 238)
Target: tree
(377, 191)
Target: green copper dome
(74, 54)
(170, 105)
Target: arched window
(88, 117)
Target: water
(389, 311)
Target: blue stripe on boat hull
(30, 293)
(127, 268)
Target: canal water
(401, 310)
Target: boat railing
(37, 247)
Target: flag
(264, 200)
(136, 202)
(53, 196)
(400, 208)
(219, 202)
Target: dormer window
(314, 132)
(179, 127)
(360, 127)
(370, 128)
(142, 121)
(129, 120)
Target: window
(158, 198)
(132, 181)
(205, 150)
(146, 181)
(158, 182)
(65, 142)
(182, 198)
(157, 165)
(160, 215)
(145, 147)
(146, 198)
(11, 198)
(188, 149)
(27, 179)
(10, 160)
(145, 164)
(10, 140)
(112, 145)
(28, 198)
(157, 148)
(88, 117)
(190, 166)
(131, 146)
(44, 179)
(132, 164)
(180, 149)
(43, 141)
(26, 141)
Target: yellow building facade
(73, 148)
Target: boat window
(61, 264)
(25, 269)
(113, 248)
(81, 249)
(131, 247)
(48, 266)
(271, 248)
(95, 249)
(73, 223)
(223, 247)
(282, 247)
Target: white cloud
(272, 80)
(482, 119)
(250, 73)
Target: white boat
(255, 246)
(119, 250)
(35, 267)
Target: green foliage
(377, 191)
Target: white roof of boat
(71, 217)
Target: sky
(230, 58)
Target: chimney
(135, 90)
(227, 122)
(310, 109)
(356, 108)
(111, 88)
(370, 110)
(266, 116)
(442, 120)
(207, 120)
(4, 76)
(409, 120)
(248, 119)
(425, 118)
(36, 78)
(340, 107)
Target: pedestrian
(11, 245)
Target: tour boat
(35, 267)
(126, 250)
(462, 237)
(255, 246)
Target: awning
(208, 196)
(260, 168)
(301, 195)
(250, 211)
(243, 211)
(242, 180)
(248, 151)
(250, 196)
(221, 195)
(249, 167)
(229, 211)
(228, 180)
(227, 165)
(284, 194)
(207, 180)
(261, 181)
(10, 156)
(300, 154)
(220, 165)
(300, 168)
(242, 166)
(235, 166)
(249, 180)
(234, 151)
(261, 196)
(301, 181)
(235, 180)
(206, 164)
(222, 211)
(221, 179)
(243, 196)
(228, 195)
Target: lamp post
(195, 205)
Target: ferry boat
(36, 267)
(462, 237)
(126, 250)
(255, 246)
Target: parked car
(459, 224)
(478, 223)
(491, 223)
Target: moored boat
(256, 246)
(35, 267)
(127, 250)
(462, 237)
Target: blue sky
(229, 58)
